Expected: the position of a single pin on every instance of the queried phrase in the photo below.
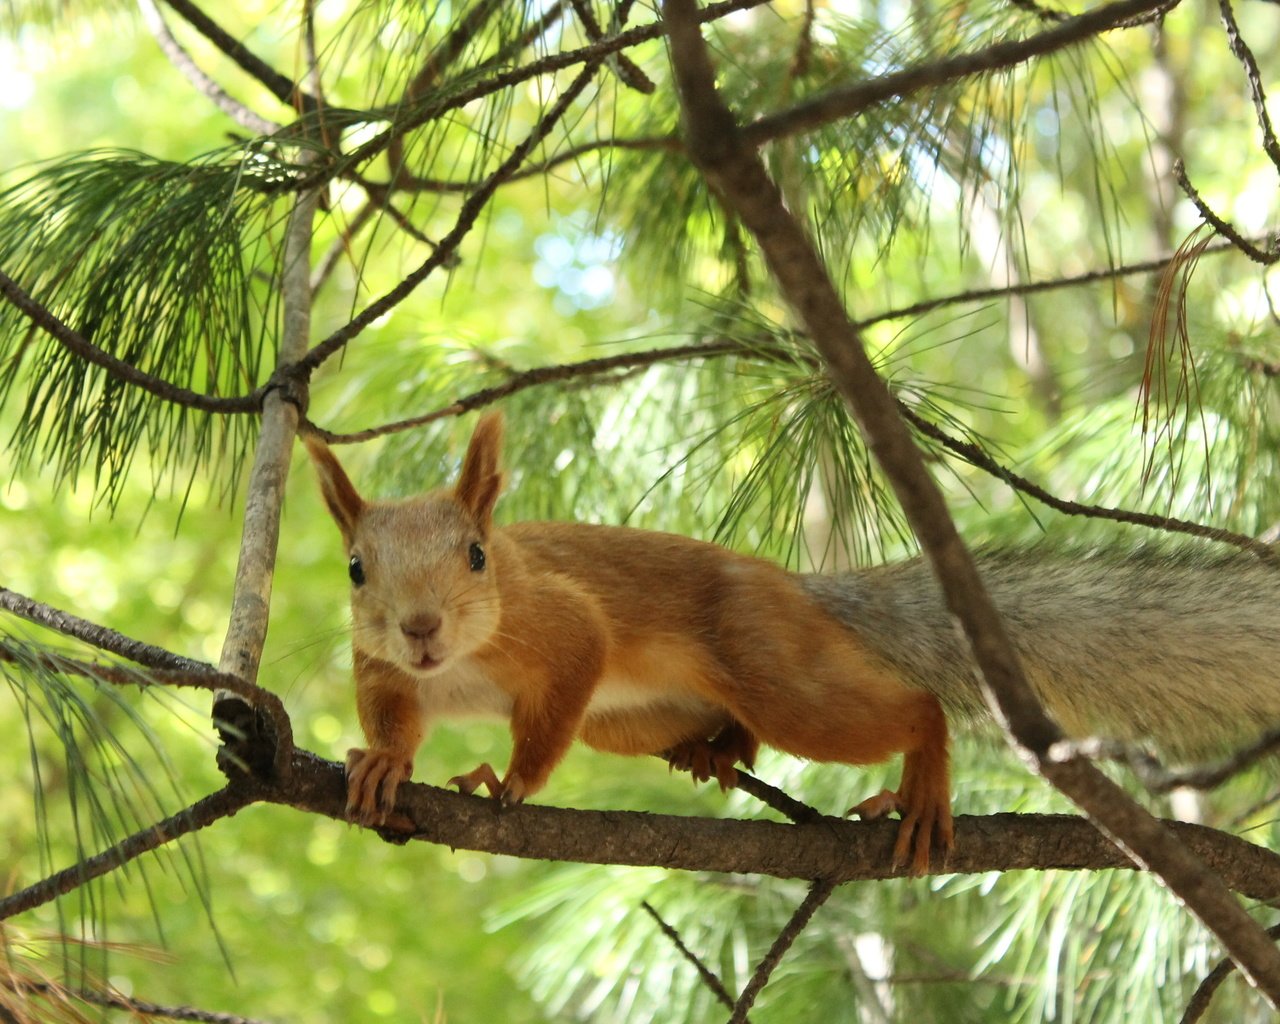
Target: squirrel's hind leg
(923, 798)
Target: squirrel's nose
(420, 627)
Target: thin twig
(1245, 56)
(629, 74)
(818, 893)
(99, 636)
(448, 245)
(1035, 287)
(591, 53)
(975, 456)
(189, 69)
(1203, 995)
(414, 183)
(116, 1001)
(1154, 776)
(280, 86)
(206, 679)
(1265, 257)
(222, 804)
(78, 345)
(532, 32)
(708, 976)
(782, 802)
(844, 102)
(532, 378)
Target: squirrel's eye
(356, 570)
(477, 558)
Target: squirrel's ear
(345, 504)
(480, 481)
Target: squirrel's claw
(510, 791)
(921, 826)
(373, 776)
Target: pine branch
(708, 976)
(99, 636)
(78, 345)
(448, 245)
(201, 814)
(280, 86)
(1264, 257)
(629, 74)
(207, 678)
(1240, 49)
(850, 100)
(735, 170)
(976, 456)
(817, 895)
(833, 849)
(206, 86)
(593, 53)
(557, 374)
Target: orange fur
(634, 641)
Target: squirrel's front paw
(373, 776)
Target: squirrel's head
(424, 591)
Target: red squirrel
(650, 643)
(635, 641)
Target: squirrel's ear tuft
(345, 504)
(480, 481)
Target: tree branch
(1240, 49)
(708, 976)
(594, 53)
(280, 86)
(736, 171)
(831, 848)
(852, 99)
(77, 344)
(193, 73)
(537, 376)
(204, 812)
(99, 636)
(448, 245)
(817, 895)
(263, 701)
(1198, 1005)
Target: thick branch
(736, 171)
(833, 849)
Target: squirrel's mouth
(425, 663)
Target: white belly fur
(466, 690)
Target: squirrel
(641, 642)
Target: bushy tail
(1177, 647)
